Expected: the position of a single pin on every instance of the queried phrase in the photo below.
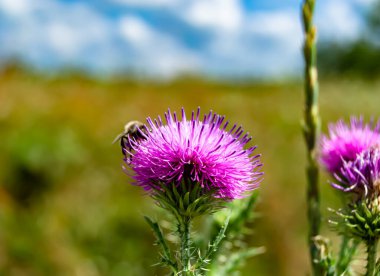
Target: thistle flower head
(361, 175)
(196, 151)
(345, 142)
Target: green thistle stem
(311, 126)
(371, 257)
(185, 251)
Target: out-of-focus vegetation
(67, 208)
(359, 57)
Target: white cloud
(338, 20)
(63, 38)
(147, 3)
(135, 30)
(226, 15)
(268, 45)
(54, 34)
(15, 7)
(275, 24)
(155, 53)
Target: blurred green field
(67, 208)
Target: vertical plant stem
(311, 126)
(371, 257)
(185, 251)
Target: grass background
(66, 207)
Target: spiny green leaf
(195, 192)
(167, 256)
(186, 199)
(367, 211)
(238, 258)
(212, 247)
(358, 216)
(175, 191)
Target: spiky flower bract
(346, 141)
(360, 219)
(196, 151)
(362, 175)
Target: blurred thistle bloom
(198, 153)
(345, 142)
(352, 155)
(361, 175)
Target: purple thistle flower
(345, 142)
(361, 175)
(196, 151)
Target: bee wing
(118, 137)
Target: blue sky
(166, 38)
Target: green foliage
(233, 251)
(212, 249)
(167, 258)
(359, 221)
(185, 261)
(360, 57)
(348, 249)
(330, 264)
(324, 259)
(374, 20)
(187, 200)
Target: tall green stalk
(311, 129)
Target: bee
(132, 130)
